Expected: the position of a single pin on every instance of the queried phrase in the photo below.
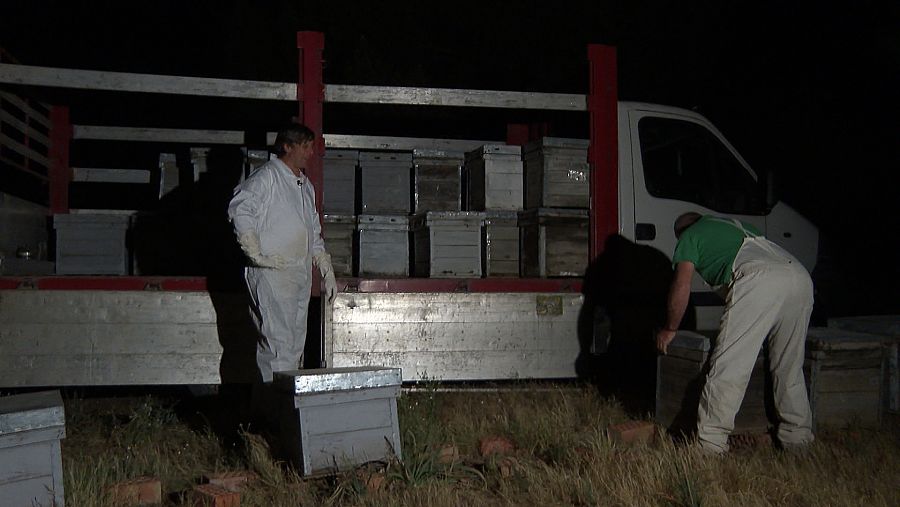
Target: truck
(648, 164)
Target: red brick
(632, 432)
(232, 481)
(448, 454)
(495, 445)
(138, 491)
(210, 495)
(375, 481)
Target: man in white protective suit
(769, 297)
(275, 219)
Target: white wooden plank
(21, 126)
(20, 103)
(108, 175)
(17, 165)
(464, 365)
(115, 338)
(84, 369)
(398, 143)
(145, 83)
(192, 136)
(454, 97)
(24, 150)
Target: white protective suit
(275, 219)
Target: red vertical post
(59, 172)
(603, 152)
(311, 95)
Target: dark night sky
(806, 90)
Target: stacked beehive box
(495, 187)
(557, 196)
(339, 208)
(447, 240)
(844, 374)
(680, 377)
(31, 427)
(383, 224)
(338, 418)
(888, 328)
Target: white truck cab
(672, 161)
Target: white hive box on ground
(339, 182)
(338, 233)
(92, 242)
(447, 244)
(888, 327)
(438, 180)
(384, 245)
(500, 244)
(31, 427)
(554, 242)
(495, 180)
(680, 377)
(557, 174)
(385, 182)
(844, 375)
(338, 418)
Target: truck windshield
(683, 160)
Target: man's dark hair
(295, 133)
(686, 220)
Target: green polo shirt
(711, 244)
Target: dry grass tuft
(562, 456)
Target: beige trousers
(771, 297)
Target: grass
(562, 456)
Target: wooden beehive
(888, 327)
(338, 418)
(384, 246)
(339, 232)
(385, 183)
(339, 182)
(680, 377)
(447, 244)
(91, 243)
(495, 178)
(437, 178)
(554, 242)
(500, 244)
(844, 374)
(557, 174)
(31, 427)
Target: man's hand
(250, 245)
(330, 287)
(323, 261)
(663, 338)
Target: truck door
(680, 164)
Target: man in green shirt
(768, 295)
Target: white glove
(323, 261)
(250, 245)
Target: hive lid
(827, 338)
(370, 157)
(436, 155)
(329, 218)
(336, 379)
(350, 155)
(32, 411)
(885, 325)
(557, 142)
(689, 340)
(495, 149)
